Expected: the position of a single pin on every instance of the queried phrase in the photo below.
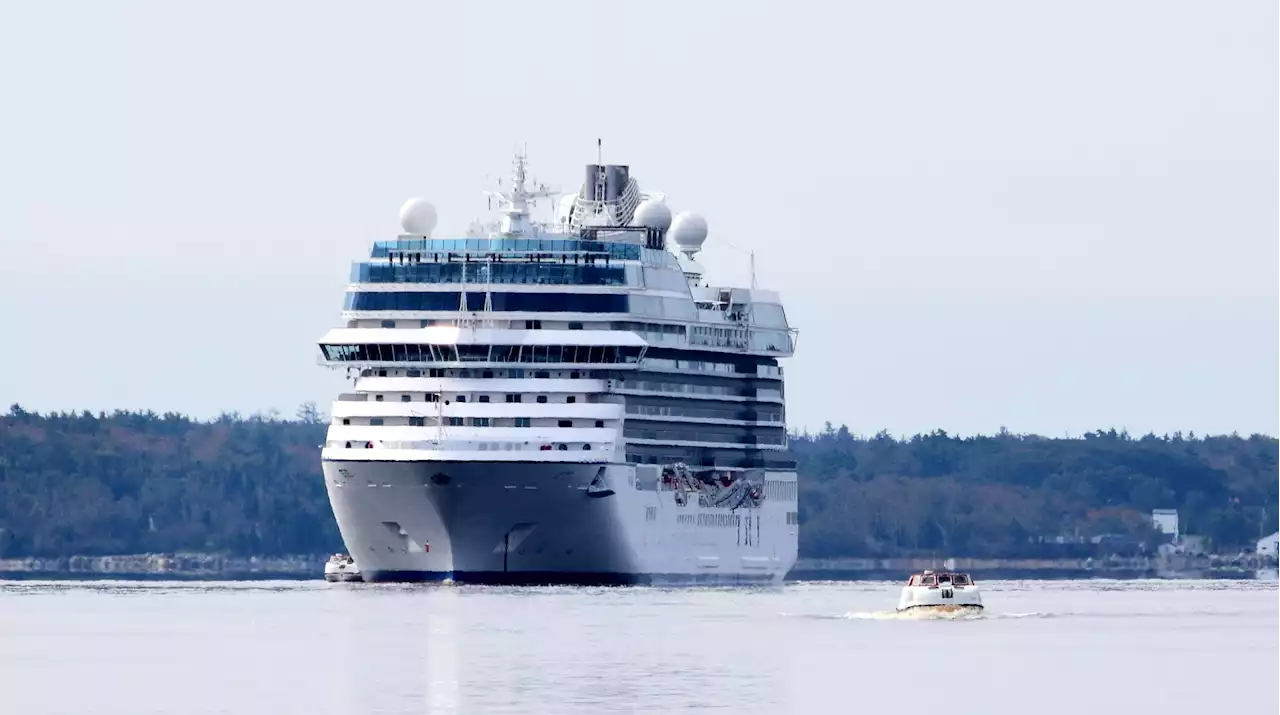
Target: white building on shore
(1269, 545)
(1165, 521)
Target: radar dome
(564, 207)
(688, 231)
(418, 217)
(652, 214)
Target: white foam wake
(916, 614)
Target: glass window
(542, 399)
(557, 354)
(565, 423)
(502, 302)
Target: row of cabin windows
(432, 353)
(483, 446)
(721, 461)
(461, 421)
(728, 412)
(537, 325)
(418, 267)
(589, 244)
(646, 328)
(498, 302)
(517, 325)
(510, 398)
(528, 324)
(485, 374)
(760, 393)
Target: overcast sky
(1053, 217)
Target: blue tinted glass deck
(508, 273)
(501, 302)
(617, 251)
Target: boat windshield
(954, 579)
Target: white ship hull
(543, 522)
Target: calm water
(1044, 647)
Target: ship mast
(516, 202)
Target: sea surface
(1041, 647)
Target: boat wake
(918, 614)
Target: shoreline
(308, 567)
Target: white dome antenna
(688, 232)
(418, 217)
(652, 214)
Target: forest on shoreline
(141, 482)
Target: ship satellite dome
(653, 214)
(418, 217)
(688, 231)
(564, 206)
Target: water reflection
(320, 648)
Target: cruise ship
(560, 401)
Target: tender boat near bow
(940, 591)
(341, 567)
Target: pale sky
(1053, 217)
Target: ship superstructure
(560, 402)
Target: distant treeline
(131, 482)
(1013, 495)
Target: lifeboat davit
(940, 591)
(341, 567)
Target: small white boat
(341, 567)
(940, 591)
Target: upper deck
(601, 264)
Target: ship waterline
(560, 402)
(554, 523)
